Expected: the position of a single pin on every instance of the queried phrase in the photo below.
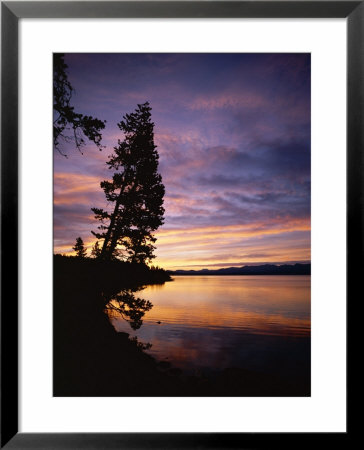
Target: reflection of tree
(140, 345)
(129, 307)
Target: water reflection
(127, 306)
(206, 323)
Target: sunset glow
(233, 136)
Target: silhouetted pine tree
(136, 190)
(96, 250)
(79, 248)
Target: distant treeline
(264, 269)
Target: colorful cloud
(233, 134)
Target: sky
(233, 136)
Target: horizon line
(218, 266)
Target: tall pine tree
(136, 190)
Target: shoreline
(92, 359)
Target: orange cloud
(231, 231)
(230, 244)
(70, 188)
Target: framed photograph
(187, 227)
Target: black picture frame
(11, 12)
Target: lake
(210, 323)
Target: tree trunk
(110, 229)
(115, 237)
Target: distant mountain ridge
(264, 269)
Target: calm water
(209, 323)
